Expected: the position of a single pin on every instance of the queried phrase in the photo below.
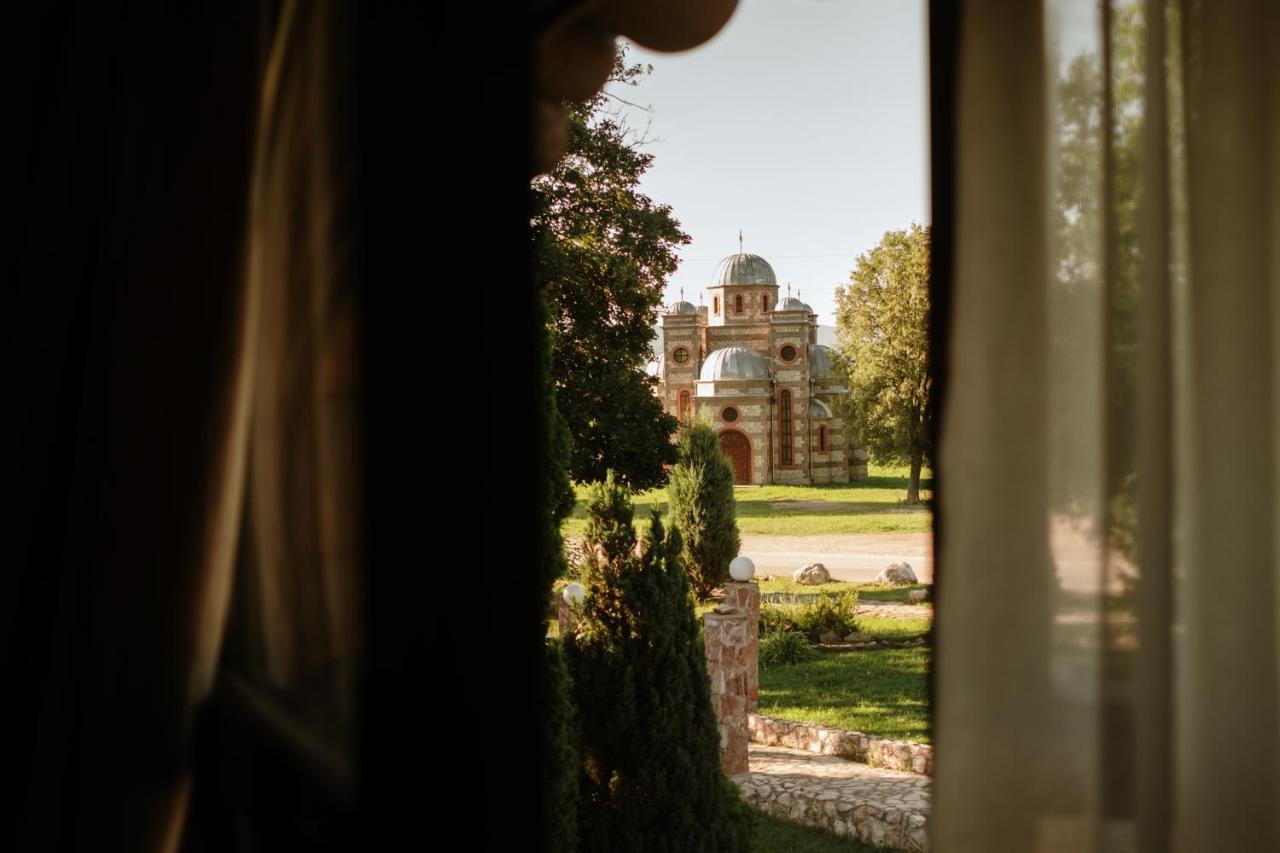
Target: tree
(700, 494)
(603, 251)
(652, 777)
(554, 498)
(882, 329)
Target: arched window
(737, 304)
(784, 428)
(764, 302)
(715, 305)
(822, 439)
(682, 407)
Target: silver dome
(791, 303)
(819, 409)
(820, 361)
(682, 307)
(733, 363)
(745, 269)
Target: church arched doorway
(738, 448)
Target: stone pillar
(745, 597)
(726, 642)
(565, 617)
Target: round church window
(680, 355)
(729, 414)
(787, 353)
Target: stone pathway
(876, 806)
(894, 610)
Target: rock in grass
(828, 638)
(858, 637)
(897, 573)
(813, 574)
(916, 596)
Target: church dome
(819, 410)
(820, 361)
(744, 269)
(791, 303)
(733, 363)
(682, 307)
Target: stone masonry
(745, 597)
(852, 746)
(730, 646)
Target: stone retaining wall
(854, 746)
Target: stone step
(871, 804)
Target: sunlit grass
(874, 506)
(878, 691)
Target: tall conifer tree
(652, 779)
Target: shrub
(829, 612)
(813, 617)
(652, 776)
(781, 648)
(560, 759)
(700, 494)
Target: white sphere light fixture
(573, 594)
(742, 568)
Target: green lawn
(874, 506)
(877, 691)
(893, 629)
(774, 835)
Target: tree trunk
(913, 483)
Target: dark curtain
(125, 424)
(271, 332)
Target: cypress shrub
(700, 493)
(652, 776)
(553, 702)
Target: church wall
(751, 403)
(751, 307)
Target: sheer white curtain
(1108, 663)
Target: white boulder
(897, 573)
(812, 575)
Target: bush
(700, 494)
(560, 758)
(781, 648)
(652, 776)
(813, 617)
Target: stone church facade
(751, 364)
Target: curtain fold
(1108, 663)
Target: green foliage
(882, 325)
(700, 493)
(652, 778)
(554, 498)
(603, 252)
(781, 648)
(814, 615)
(561, 760)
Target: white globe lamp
(742, 569)
(573, 594)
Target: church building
(751, 364)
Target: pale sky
(805, 124)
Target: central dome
(733, 363)
(744, 269)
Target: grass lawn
(874, 506)
(878, 691)
(774, 835)
(893, 629)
